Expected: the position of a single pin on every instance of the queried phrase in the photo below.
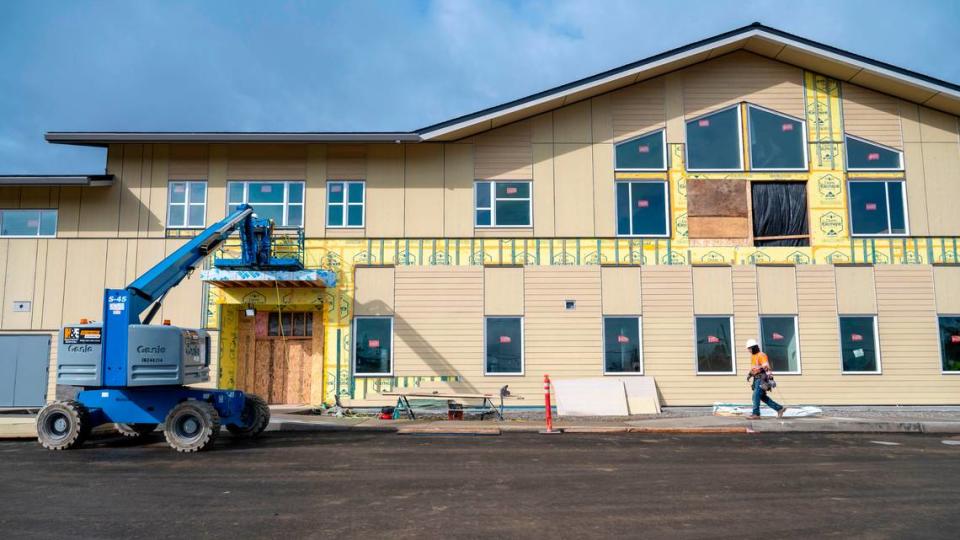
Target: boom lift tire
(63, 425)
(134, 431)
(192, 426)
(256, 415)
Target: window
(345, 203)
(715, 345)
(622, 349)
(642, 208)
(280, 201)
(877, 208)
(373, 346)
(950, 343)
(779, 213)
(863, 155)
(778, 337)
(643, 153)
(503, 346)
(858, 344)
(187, 205)
(777, 142)
(713, 141)
(502, 204)
(290, 324)
(15, 223)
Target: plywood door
(277, 368)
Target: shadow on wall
(420, 345)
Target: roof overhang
(105, 138)
(35, 180)
(756, 38)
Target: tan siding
(68, 211)
(673, 108)
(573, 185)
(916, 189)
(153, 218)
(374, 291)
(39, 281)
(217, 183)
(746, 307)
(189, 161)
(712, 290)
(183, 303)
(668, 353)
(502, 291)
(83, 291)
(504, 153)
(130, 189)
(35, 197)
(603, 191)
(936, 126)
(621, 290)
(856, 294)
(9, 197)
(100, 206)
(559, 342)
(638, 109)
(819, 335)
(315, 197)
(438, 328)
(941, 163)
(601, 115)
(53, 285)
(947, 286)
(423, 191)
(543, 190)
(115, 269)
(871, 115)
(267, 162)
(906, 319)
(385, 186)
(572, 124)
(348, 162)
(777, 288)
(458, 190)
(742, 76)
(18, 282)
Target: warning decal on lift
(73, 335)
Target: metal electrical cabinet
(24, 360)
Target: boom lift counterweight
(134, 374)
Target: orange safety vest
(759, 360)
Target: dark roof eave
(105, 138)
(32, 180)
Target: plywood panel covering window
(717, 209)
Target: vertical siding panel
(83, 291)
(871, 115)
(100, 206)
(217, 183)
(19, 278)
(746, 318)
(155, 217)
(544, 202)
(639, 109)
(315, 198)
(573, 185)
(130, 190)
(68, 211)
(668, 333)
(423, 191)
(53, 284)
(385, 190)
(504, 153)
(39, 280)
(458, 190)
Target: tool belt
(764, 379)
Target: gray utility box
(79, 361)
(161, 355)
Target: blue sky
(393, 65)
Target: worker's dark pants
(759, 394)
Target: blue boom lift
(133, 374)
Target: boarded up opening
(780, 214)
(717, 209)
(276, 354)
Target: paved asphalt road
(347, 485)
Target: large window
(502, 204)
(714, 142)
(280, 201)
(877, 208)
(642, 208)
(780, 343)
(863, 155)
(858, 344)
(503, 346)
(622, 346)
(643, 153)
(373, 346)
(38, 223)
(950, 343)
(777, 142)
(187, 205)
(715, 345)
(345, 201)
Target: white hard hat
(752, 343)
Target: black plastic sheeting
(780, 209)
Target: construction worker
(759, 372)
